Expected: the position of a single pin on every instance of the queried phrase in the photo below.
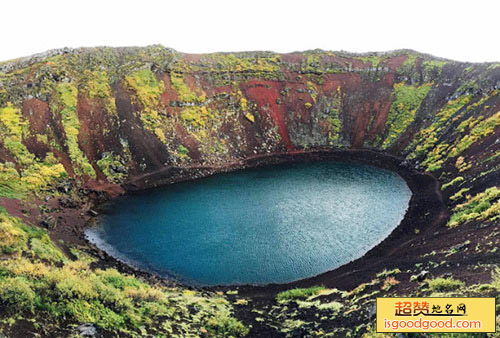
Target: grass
(386, 273)
(183, 91)
(39, 283)
(107, 161)
(35, 173)
(452, 182)
(182, 152)
(478, 132)
(445, 284)
(64, 106)
(428, 137)
(299, 293)
(403, 110)
(196, 117)
(483, 206)
(492, 157)
(147, 91)
(95, 84)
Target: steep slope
(81, 125)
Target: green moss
(428, 137)
(410, 61)
(483, 206)
(35, 173)
(42, 138)
(147, 89)
(244, 105)
(41, 173)
(373, 60)
(196, 117)
(478, 132)
(82, 255)
(13, 238)
(317, 64)
(334, 125)
(479, 128)
(492, 157)
(14, 129)
(185, 94)
(434, 159)
(432, 69)
(467, 124)
(434, 64)
(249, 116)
(17, 295)
(459, 194)
(313, 90)
(445, 284)
(183, 152)
(461, 165)
(295, 294)
(407, 100)
(387, 273)
(95, 84)
(108, 162)
(43, 248)
(241, 63)
(16, 237)
(452, 182)
(226, 327)
(64, 106)
(10, 183)
(147, 92)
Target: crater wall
(78, 126)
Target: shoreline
(424, 187)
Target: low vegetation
(403, 110)
(300, 293)
(39, 282)
(63, 107)
(445, 284)
(483, 206)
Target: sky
(459, 30)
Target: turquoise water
(267, 225)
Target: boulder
(87, 330)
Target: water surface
(266, 225)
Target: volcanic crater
(82, 126)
